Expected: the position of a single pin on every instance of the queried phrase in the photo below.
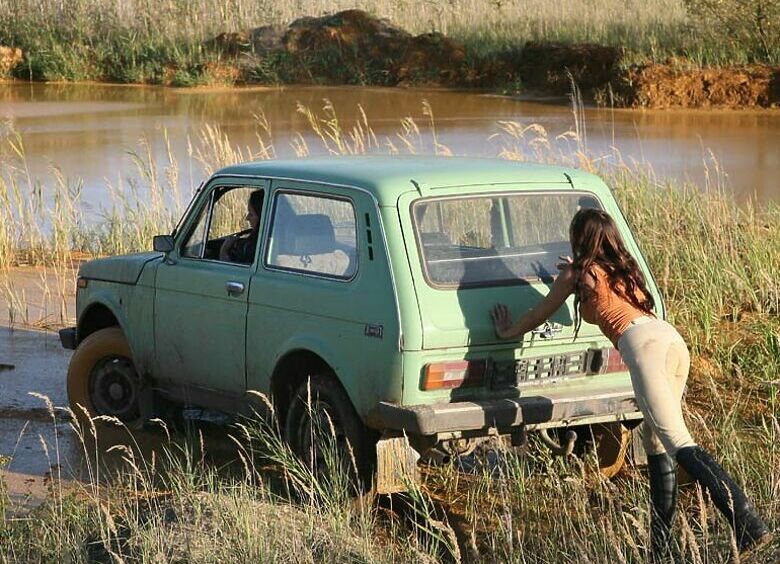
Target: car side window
(313, 234)
(226, 230)
(235, 225)
(229, 212)
(196, 240)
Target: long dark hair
(596, 241)
(256, 201)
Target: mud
(10, 57)
(355, 47)
(551, 67)
(351, 46)
(661, 86)
(39, 447)
(33, 440)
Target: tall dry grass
(181, 504)
(162, 42)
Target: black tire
(102, 379)
(319, 412)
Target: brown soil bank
(665, 86)
(343, 48)
(355, 47)
(10, 57)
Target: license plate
(540, 368)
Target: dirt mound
(260, 40)
(343, 48)
(669, 85)
(548, 66)
(9, 58)
(353, 47)
(350, 30)
(374, 49)
(432, 58)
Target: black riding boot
(749, 528)
(663, 496)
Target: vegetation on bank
(716, 264)
(171, 42)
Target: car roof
(387, 177)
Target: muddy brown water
(87, 130)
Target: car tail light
(457, 374)
(605, 361)
(614, 361)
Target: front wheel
(325, 432)
(102, 379)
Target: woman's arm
(227, 246)
(561, 289)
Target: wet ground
(40, 446)
(33, 441)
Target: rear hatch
(469, 252)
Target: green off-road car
(367, 305)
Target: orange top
(608, 309)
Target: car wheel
(324, 431)
(612, 440)
(102, 378)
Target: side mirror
(163, 243)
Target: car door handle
(234, 288)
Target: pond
(88, 130)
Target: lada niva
(365, 297)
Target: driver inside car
(242, 249)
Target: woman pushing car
(610, 291)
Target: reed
(182, 502)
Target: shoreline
(354, 48)
(533, 96)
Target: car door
(320, 288)
(201, 297)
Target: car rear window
(496, 239)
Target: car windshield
(496, 239)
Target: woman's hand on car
(502, 321)
(566, 262)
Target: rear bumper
(532, 411)
(68, 338)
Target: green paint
(184, 328)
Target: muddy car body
(373, 278)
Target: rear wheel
(325, 432)
(611, 440)
(102, 379)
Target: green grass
(144, 41)
(715, 262)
